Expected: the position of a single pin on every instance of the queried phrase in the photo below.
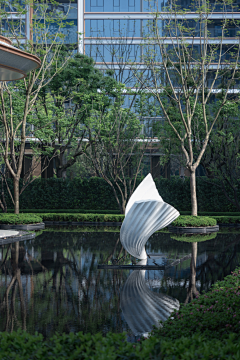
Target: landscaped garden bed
(81, 219)
(193, 224)
(183, 222)
(21, 222)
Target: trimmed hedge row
(195, 221)
(95, 193)
(83, 217)
(22, 346)
(181, 221)
(19, 219)
(227, 219)
(66, 211)
(213, 214)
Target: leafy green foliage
(19, 219)
(94, 193)
(83, 217)
(194, 238)
(80, 211)
(88, 90)
(227, 219)
(195, 221)
(211, 213)
(214, 314)
(21, 345)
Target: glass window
(112, 5)
(113, 28)
(13, 26)
(152, 5)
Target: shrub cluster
(95, 193)
(214, 314)
(195, 221)
(82, 217)
(211, 213)
(22, 346)
(15, 219)
(71, 211)
(227, 219)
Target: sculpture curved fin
(146, 190)
(143, 219)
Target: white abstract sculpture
(146, 212)
(141, 307)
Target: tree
(182, 73)
(18, 100)
(221, 159)
(76, 90)
(116, 148)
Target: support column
(81, 26)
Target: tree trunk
(193, 191)
(16, 195)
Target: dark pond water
(53, 284)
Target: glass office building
(111, 31)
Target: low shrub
(85, 229)
(15, 219)
(83, 217)
(194, 221)
(69, 211)
(21, 346)
(194, 238)
(214, 314)
(227, 219)
(211, 213)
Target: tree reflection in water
(53, 284)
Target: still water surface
(52, 283)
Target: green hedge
(182, 220)
(69, 211)
(227, 219)
(213, 214)
(95, 193)
(19, 219)
(83, 217)
(195, 221)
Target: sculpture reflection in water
(143, 308)
(146, 212)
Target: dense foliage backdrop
(95, 194)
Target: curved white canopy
(15, 63)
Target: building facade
(112, 31)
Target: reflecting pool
(52, 283)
